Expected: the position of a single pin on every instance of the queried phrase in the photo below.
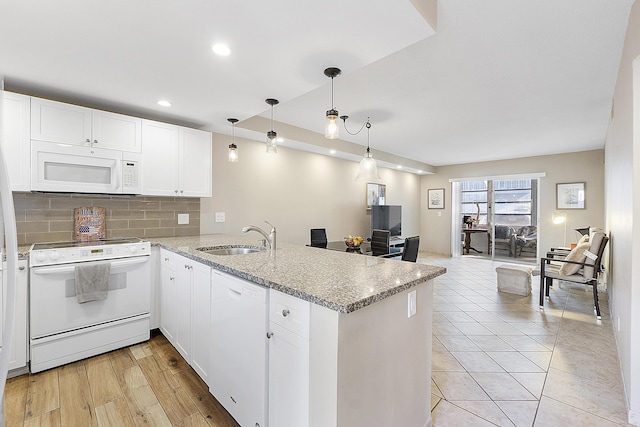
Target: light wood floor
(147, 384)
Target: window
(474, 198)
(514, 201)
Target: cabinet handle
(88, 140)
(21, 268)
(95, 141)
(172, 278)
(269, 335)
(166, 259)
(176, 191)
(285, 312)
(181, 191)
(188, 267)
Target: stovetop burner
(85, 243)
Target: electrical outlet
(183, 219)
(439, 213)
(411, 304)
(220, 217)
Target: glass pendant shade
(233, 148)
(272, 142)
(233, 153)
(368, 168)
(331, 128)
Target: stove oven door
(54, 308)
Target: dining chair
(379, 242)
(410, 251)
(319, 237)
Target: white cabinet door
(54, 121)
(16, 113)
(159, 158)
(238, 373)
(176, 160)
(201, 319)
(116, 131)
(168, 292)
(288, 360)
(18, 358)
(195, 163)
(183, 302)
(59, 122)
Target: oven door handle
(70, 268)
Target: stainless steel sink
(231, 250)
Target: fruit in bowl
(353, 241)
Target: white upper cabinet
(176, 161)
(59, 122)
(15, 142)
(195, 163)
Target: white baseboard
(634, 418)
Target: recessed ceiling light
(164, 103)
(332, 151)
(221, 49)
(399, 166)
(420, 171)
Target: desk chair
(379, 242)
(319, 237)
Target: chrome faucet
(271, 237)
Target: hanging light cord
(272, 117)
(367, 124)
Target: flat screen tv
(387, 217)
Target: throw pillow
(583, 239)
(577, 255)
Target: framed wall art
(376, 194)
(435, 198)
(570, 195)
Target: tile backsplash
(49, 217)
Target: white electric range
(62, 330)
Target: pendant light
(233, 148)
(331, 128)
(272, 143)
(368, 168)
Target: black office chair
(319, 237)
(379, 242)
(410, 251)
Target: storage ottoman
(514, 279)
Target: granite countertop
(341, 281)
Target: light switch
(220, 217)
(183, 219)
(411, 304)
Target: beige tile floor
(499, 360)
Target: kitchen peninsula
(368, 358)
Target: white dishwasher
(239, 363)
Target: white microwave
(75, 169)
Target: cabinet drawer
(289, 312)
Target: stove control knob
(54, 256)
(41, 257)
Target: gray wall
(296, 191)
(586, 166)
(622, 176)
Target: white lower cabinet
(18, 358)
(288, 361)
(185, 308)
(238, 343)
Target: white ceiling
(498, 79)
